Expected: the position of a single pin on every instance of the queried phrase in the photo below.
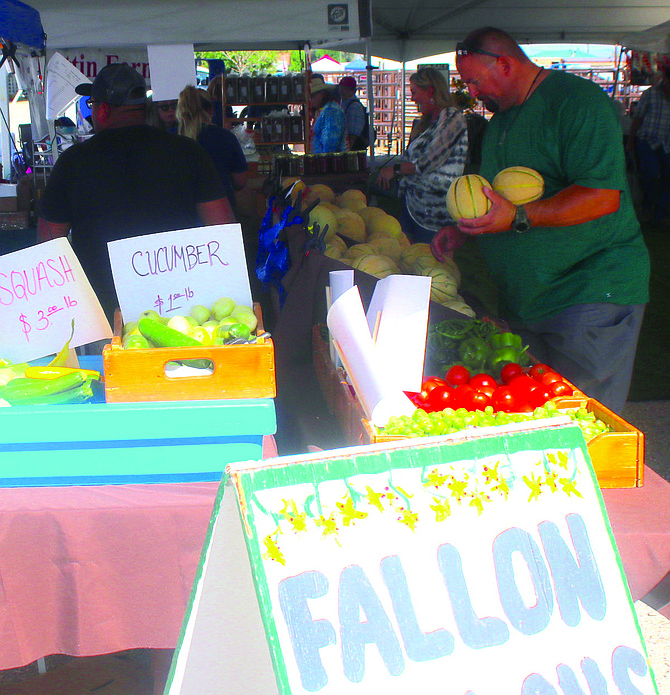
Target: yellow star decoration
(491, 475)
(502, 488)
(569, 487)
(374, 498)
(390, 496)
(441, 508)
(478, 501)
(329, 525)
(297, 519)
(458, 488)
(534, 484)
(436, 479)
(349, 512)
(550, 481)
(410, 519)
(273, 552)
(561, 459)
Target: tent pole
(371, 105)
(403, 97)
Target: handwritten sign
(170, 272)
(42, 288)
(484, 562)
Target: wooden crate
(617, 456)
(240, 371)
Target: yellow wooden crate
(240, 371)
(617, 456)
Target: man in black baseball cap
(116, 85)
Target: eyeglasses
(462, 49)
(90, 102)
(168, 107)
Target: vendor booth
(116, 482)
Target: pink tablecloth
(92, 570)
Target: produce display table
(93, 570)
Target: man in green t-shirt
(572, 268)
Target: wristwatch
(396, 168)
(521, 221)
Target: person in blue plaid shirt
(328, 131)
(649, 137)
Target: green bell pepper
(474, 353)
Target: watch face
(521, 227)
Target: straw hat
(316, 84)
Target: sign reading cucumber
(481, 565)
(171, 272)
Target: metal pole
(371, 105)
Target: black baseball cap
(117, 84)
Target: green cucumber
(27, 389)
(73, 396)
(164, 336)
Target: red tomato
(524, 407)
(441, 397)
(430, 383)
(477, 400)
(457, 375)
(560, 388)
(540, 396)
(504, 400)
(488, 390)
(521, 387)
(537, 370)
(482, 380)
(510, 371)
(550, 378)
(462, 394)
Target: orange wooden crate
(617, 456)
(240, 371)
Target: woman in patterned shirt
(435, 156)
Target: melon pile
(381, 248)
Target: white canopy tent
(401, 29)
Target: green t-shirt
(569, 131)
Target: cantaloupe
(322, 216)
(333, 251)
(386, 225)
(379, 266)
(386, 246)
(466, 199)
(411, 253)
(350, 225)
(352, 199)
(442, 286)
(368, 213)
(319, 190)
(520, 185)
(360, 250)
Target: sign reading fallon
(480, 566)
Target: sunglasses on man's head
(463, 49)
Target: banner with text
(42, 289)
(480, 565)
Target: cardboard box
(240, 371)
(100, 443)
